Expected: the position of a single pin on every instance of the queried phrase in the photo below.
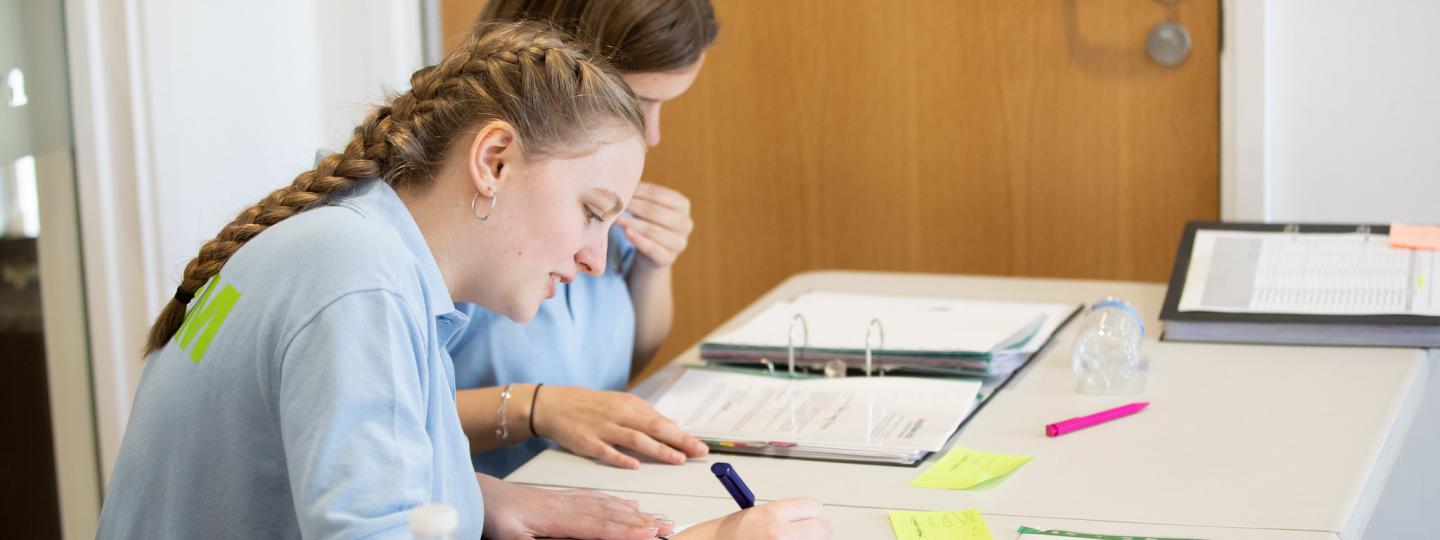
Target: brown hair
(554, 92)
(637, 35)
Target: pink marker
(1074, 424)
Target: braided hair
(555, 92)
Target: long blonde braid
(556, 94)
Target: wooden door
(1006, 137)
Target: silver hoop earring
(493, 198)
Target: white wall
(242, 93)
(1353, 104)
(1347, 109)
(185, 113)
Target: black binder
(1392, 330)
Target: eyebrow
(615, 205)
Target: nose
(652, 124)
(591, 257)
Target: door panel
(1031, 138)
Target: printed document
(905, 414)
(1308, 274)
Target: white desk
(1237, 437)
(874, 523)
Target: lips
(555, 280)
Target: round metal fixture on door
(1168, 43)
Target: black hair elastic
(182, 296)
(533, 398)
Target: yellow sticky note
(1415, 236)
(966, 525)
(964, 468)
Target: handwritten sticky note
(963, 525)
(1403, 235)
(964, 468)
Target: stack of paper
(871, 419)
(923, 335)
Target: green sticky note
(962, 525)
(964, 468)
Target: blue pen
(732, 482)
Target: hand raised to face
(661, 225)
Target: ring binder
(798, 321)
(982, 341)
(768, 365)
(1333, 284)
(1292, 232)
(805, 328)
(869, 331)
(904, 334)
(818, 417)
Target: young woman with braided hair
(306, 391)
(585, 344)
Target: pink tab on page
(1415, 236)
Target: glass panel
(35, 147)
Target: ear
(493, 150)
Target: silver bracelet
(501, 430)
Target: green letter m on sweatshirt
(205, 318)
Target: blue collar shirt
(584, 336)
(309, 393)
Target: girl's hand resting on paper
(513, 511)
(790, 519)
(592, 423)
